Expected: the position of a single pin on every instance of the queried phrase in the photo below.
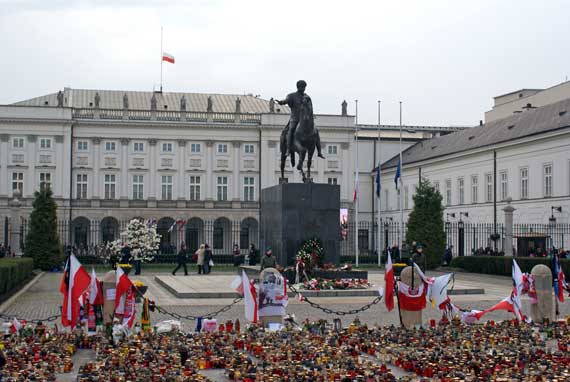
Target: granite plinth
(294, 212)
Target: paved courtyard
(42, 299)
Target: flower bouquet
(125, 267)
(141, 289)
(341, 284)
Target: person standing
(181, 260)
(236, 256)
(268, 260)
(252, 254)
(208, 259)
(200, 258)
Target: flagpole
(161, 59)
(400, 190)
(356, 173)
(378, 218)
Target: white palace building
(196, 159)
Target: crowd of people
(315, 351)
(6, 251)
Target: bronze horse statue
(305, 141)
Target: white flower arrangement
(141, 237)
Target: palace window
(110, 146)
(45, 143)
(461, 190)
(45, 180)
(138, 147)
(166, 187)
(249, 189)
(195, 148)
(248, 148)
(333, 181)
(110, 186)
(448, 192)
(547, 170)
(82, 145)
(138, 187)
(194, 188)
(474, 189)
(489, 187)
(167, 147)
(222, 188)
(504, 184)
(332, 149)
(18, 181)
(436, 186)
(222, 148)
(81, 186)
(524, 182)
(18, 143)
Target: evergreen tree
(42, 241)
(425, 223)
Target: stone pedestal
(109, 287)
(410, 318)
(15, 224)
(544, 294)
(294, 212)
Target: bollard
(544, 308)
(410, 318)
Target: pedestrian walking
(208, 259)
(200, 253)
(268, 260)
(181, 260)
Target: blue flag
(378, 181)
(398, 173)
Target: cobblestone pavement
(43, 299)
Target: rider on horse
(294, 101)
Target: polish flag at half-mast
(167, 57)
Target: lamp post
(461, 234)
(386, 226)
(552, 224)
(448, 227)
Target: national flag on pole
(16, 325)
(558, 279)
(398, 175)
(378, 181)
(74, 283)
(518, 285)
(95, 290)
(167, 57)
(122, 286)
(389, 284)
(249, 298)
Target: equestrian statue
(299, 135)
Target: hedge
(13, 271)
(502, 265)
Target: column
(96, 166)
(181, 168)
(57, 183)
(181, 173)
(124, 181)
(4, 181)
(236, 181)
(209, 173)
(30, 180)
(152, 181)
(508, 210)
(15, 223)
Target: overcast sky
(444, 59)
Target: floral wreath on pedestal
(311, 253)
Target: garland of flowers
(311, 253)
(141, 238)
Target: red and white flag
(389, 284)
(167, 57)
(16, 325)
(518, 285)
(237, 285)
(410, 299)
(249, 298)
(130, 308)
(74, 283)
(122, 286)
(95, 291)
(504, 304)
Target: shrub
(502, 265)
(13, 271)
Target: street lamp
(552, 223)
